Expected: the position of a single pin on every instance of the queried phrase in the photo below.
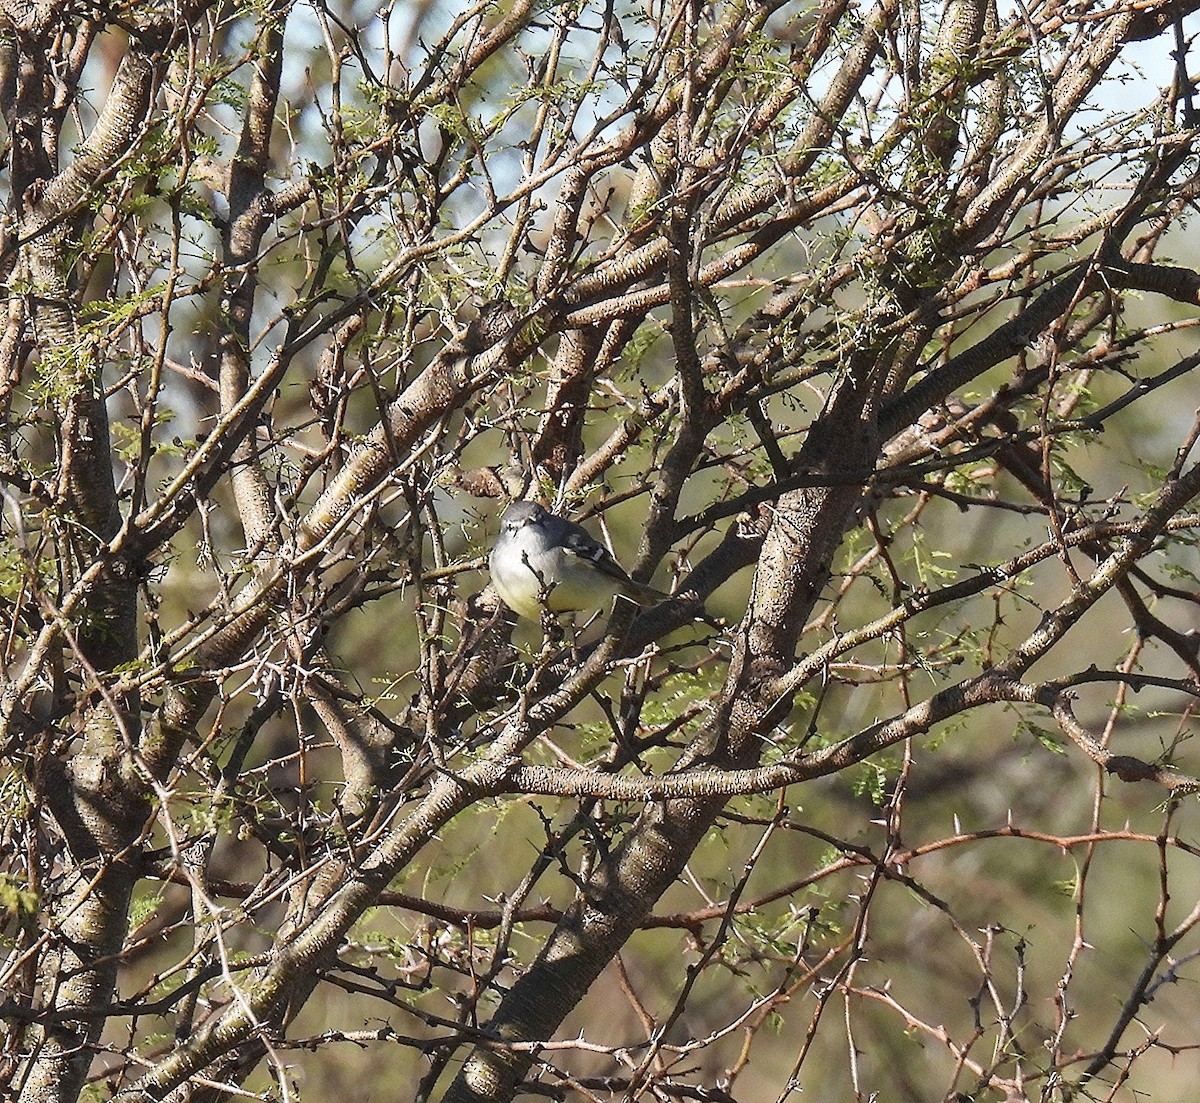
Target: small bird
(543, 561)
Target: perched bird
(543, 561)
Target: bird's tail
(642, 594)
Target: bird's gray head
(520, 514)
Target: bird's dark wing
(578, 541)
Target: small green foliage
(144, 907)
(231, 92)
(870, 779)
(1178, 573)
(942, 733)
(127, 439)
(376, 944)
(1156, 478)
(14, 794)
(774, 1022)
(65, 371)
(1052, 741)
(684, 688)
(108, 314)
(16, 570)
(959, 482)
(1070, 483)
(646, 337)
(16, 898)
(1066, 887)
(451, 119)
(930, 562)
